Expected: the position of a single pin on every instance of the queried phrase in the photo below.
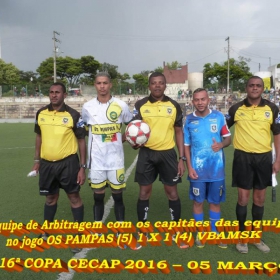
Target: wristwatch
(183, 158)
(83, 166)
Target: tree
(216, 74)
(141, 81)
(124, 76)
(25, 76)
(159, 69)
(112, 70)
(174, 65)
(71, 69)
(89, 66)
(9, 74)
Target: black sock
(49, 212)
(175, 209)
(257, 212)
(142, 209)
(119, 206)
(78, 213)
(241, 215)
(98, 208)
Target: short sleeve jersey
(162, 116)
(253, 125)
(199, 133)
(104, 120)
(59, 131)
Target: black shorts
(59, 174)
(152, 163)
(251, 170)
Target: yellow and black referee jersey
(253, 125)
(162, 116)
(59, 131)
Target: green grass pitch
(20, 202)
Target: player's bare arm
(38, 142)
(191, 171)
(82, 150)
(276, 165)
(180, 146)
(220, 145)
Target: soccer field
(20, 202)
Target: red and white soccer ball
(137, 132)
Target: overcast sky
(139, 35)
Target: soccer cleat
(242, 248)
(262, 247)
(76, 250)
(198, 243)
(222, 245)
(44, 236)
(121, 246)
(181, 244)
(138, 245)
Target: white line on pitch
(108, 206)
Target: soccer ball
(137, 132)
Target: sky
(138, 35)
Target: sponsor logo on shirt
(212, 120)
(194, 122)
(227, 116)
(80, 123)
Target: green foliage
(141, 82)
(112, 70)
(217, 74)
(159, 69)
(69, 68)
(124, 77)
(9, 74)
(25, 77)
(174, 65)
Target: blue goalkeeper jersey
(199, 133)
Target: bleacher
(25, 108)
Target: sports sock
(78, 213)
(119, 206)
(214, 217)
(98, 207)
(175, 209)
(198, 217)
(241, 214)
(142, 209)
(49, 212)
(257, 212)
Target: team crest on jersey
(113, 112)
(196, 191)
(65, 120)
(120, 175)
(169, 110)
(113, 116)
(213, 127)
(267, 115)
